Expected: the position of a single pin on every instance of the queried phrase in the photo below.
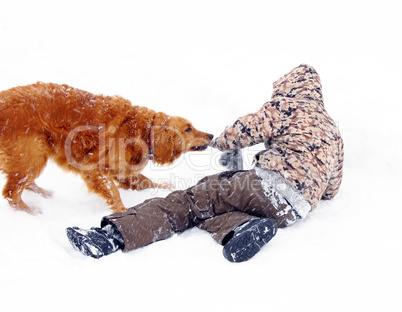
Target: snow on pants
(218, 204)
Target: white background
(212, 61)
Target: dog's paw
(34, 211)
(167, 186)
(19, 205)
(117, 209)
(46, 194)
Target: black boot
(248, 239)
(96, 242)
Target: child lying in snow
(301, 165)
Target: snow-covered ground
(212, 61)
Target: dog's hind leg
(15, 185)
(25, 162)
(36, 189)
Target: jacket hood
(302, 82)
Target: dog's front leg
(140, 182)
(103, 185)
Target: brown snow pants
(217, 204)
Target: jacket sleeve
(246, 131)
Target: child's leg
(218, 204)
(153, 220)
(234, 198)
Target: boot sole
(247, 244)
(77, 240)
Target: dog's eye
(188, 129)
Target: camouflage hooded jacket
(303, 143)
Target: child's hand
(232, 160)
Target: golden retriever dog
(104, 139)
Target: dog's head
(172, 136)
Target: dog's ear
(177, 142)
(167, 141)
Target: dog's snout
(211, 136)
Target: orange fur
(104, 139)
